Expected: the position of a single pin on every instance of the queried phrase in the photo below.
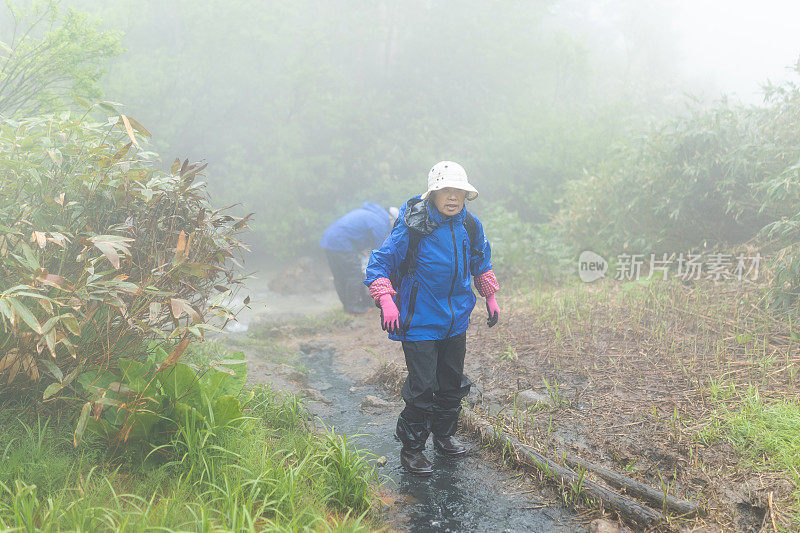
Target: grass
(765, 433)
(652, 363)
(270, 473)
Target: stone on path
(373, 402)
(317, 396)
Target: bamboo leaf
(181, 248)
(129, 130)
(52, 389)
(71, 323)
(176, 353)
(109, 251)
(176, 307)
(9, 359)
(138, 127)
(81, 426)
(25, 314)
(155, 311)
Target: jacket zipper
(412, 299)
(466, 264)
(453, 283)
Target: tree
(50, 54)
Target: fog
(716, 47)
(735, 46)
(306, 109)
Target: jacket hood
(422, 216)
(375, 208)
(418, 217)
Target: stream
(466, 493)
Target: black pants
(433, 389)
(348, 279)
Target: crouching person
(421, 278)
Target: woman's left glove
(494, 310)
(390, 316)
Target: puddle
(464, 494)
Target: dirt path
(330, 358)
(597, 373)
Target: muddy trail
(476, 492)
(469, 493)
(613, 376)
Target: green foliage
(146, 400)
(674, 188)
(358, 101)
(533, 252)
(51, 54)
(99, 250)
(348, 472)
(766, 433)
(269, 472)
(718, 176)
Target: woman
(433, 249)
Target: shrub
(726, 175)
(524, 250)
(674, 188)
(148, 399)
(100, 251)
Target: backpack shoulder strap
(472, 230)
(409, 263)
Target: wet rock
(602, 525)
(529, 397)
(290, 373)
(322, 386)
(373, 402)
(317, 396)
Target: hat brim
(472, 192)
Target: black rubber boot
(413, 428)
(415, 462)
(448, 445)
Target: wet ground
(470, 493)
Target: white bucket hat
(449, 174)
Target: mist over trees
(48, 54)
(304, 109)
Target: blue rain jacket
(435, 301)
(360, 229)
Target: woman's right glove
(390, 316)
(493, 308)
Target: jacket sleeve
(480, 263)
(385, 260)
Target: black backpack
(409, 264)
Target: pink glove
(390, 316)
(493, 308)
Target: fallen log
(627, 508)
(637, 489)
